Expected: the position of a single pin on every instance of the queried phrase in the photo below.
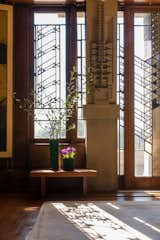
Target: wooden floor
(18, 212)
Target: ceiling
(140, 1)
(44, 1)
(71, 1)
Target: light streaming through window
(49, 70)
(81, 67)
(51, 66)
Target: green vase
(54, 154)
(68, 164)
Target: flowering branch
(55, 116)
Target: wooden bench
(43, 174)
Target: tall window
(143, 93)
(81, 66)
(52, 64)
(120, 90)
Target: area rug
(98, 220)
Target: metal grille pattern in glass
(120, 90)
(143, 94)
(49, 72)
(81, 66)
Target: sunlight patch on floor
(147, 224)
(98, 224)
(113, 205)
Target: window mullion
(71, 22)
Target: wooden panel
(146, 183)
(39, 156)
(21, 81)
(156, 142)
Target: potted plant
(68, 158)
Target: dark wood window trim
(129, 95)
(130, 181)
(71, 56)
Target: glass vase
(54, 154)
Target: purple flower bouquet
(68, 155)
(68, 152)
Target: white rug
(100, 220)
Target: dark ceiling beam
(43, 1)
(73, 1)
(140, 1)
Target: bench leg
(84, 185)
(43, 186)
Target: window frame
(71, 59)
(128, 180)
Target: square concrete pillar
(101, 145)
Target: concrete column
(101, 111)
(102, 145)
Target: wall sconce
(3, 53)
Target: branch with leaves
(54, 116)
